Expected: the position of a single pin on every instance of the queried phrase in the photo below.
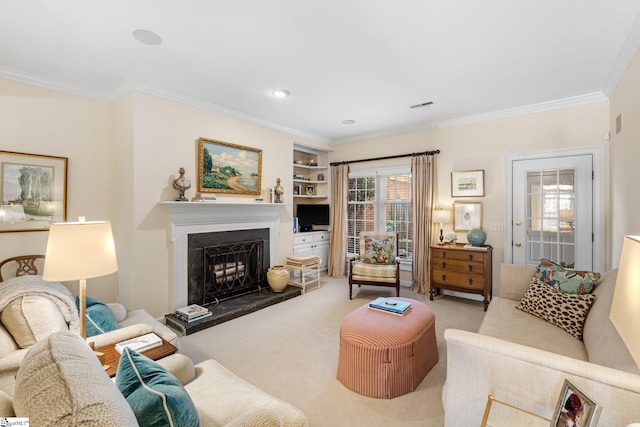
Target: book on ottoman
(390, 305)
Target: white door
(554, 213)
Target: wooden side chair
(378, 263)
(21, 266)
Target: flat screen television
(310, 215)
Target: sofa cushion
(502, 320)
(61, 383)
(31, 318)
(156, 397)
(570, 281)
(378, 251)
(601, 339)
(567, 311)
(99, 317)
(7, 343)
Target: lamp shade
(79, 250)
(442, 216)
(625, 307)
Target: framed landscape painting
(228, 168)
(467, 184)
(33, 188)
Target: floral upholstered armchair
(378, 263)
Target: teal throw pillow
(568, 280)
(99, 318)
(379, 251)
(156, 397)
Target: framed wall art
(33, 188)
(467, 216)
(228, 168)
(467, 184)
(575, 408)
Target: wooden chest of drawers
(463, 270)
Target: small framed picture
(574, 408)
(467, 216)
(311, 190)
(467, 183)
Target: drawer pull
(470, 268)
(470, 257)
(470, 282)
(444, 254)
(444, 277)
(444, 264)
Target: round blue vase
(476, 237)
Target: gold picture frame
(467, 183)
(228, 168)
(33, 190)
(467, 216)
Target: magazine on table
(141, 343)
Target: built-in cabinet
(312, 243)
(310, 174)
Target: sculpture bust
(278, 191)
(181, 184)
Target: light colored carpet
(290, 350)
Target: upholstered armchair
(377, 264)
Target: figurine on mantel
(181, 184)
(278, 191)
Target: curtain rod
(424, 153)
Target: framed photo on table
(574, 406)
(467, 216)
(34, 191)
(467, 183)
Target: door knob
(517, 223)
(517, 244)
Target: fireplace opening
(226, 264)
(232, 270)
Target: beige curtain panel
(339, 196)
(423, 178)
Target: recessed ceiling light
(146, 37)
(348, 122)
(281, 93)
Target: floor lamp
(80, 251)
(625, 307)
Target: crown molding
(625, 57)
(498, 114)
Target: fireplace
(226, 264)
(196, 220)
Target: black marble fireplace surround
(246, 254)
(252, 298)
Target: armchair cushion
(30, 318)
(156, 397)
(99, 317)
(378, 248)
(383, 273)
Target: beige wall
(625, 155)
(483, 145)
(47, 122)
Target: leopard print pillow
(567, 311)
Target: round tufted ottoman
(384, 355)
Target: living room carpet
(290, 350)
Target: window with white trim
(380, 200)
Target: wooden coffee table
(112, 357)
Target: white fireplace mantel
(205, 217)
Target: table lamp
(442, 216)
(625, 307)
(79, 251)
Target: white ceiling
(362, 60)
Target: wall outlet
(496, 226)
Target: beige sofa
(523, 360)
(61, 382)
